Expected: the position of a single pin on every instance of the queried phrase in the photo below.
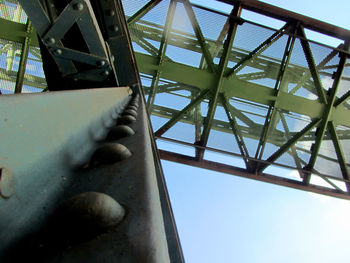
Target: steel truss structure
(272, 102)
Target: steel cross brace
(161, 53)
(219, 76)
(263, 46)
(271, 114)
(324, 121)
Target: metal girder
(236, 131)
(263, 46)
(271, 113)
(253, 92)
(219, 80)
(161, 53)
(23, 60)
(326, 118)
(339, 151)
(59, 162)
(268, 178)
(181, 113)
(289, 143)
(311, 63)
(197, 30)
(293, 150)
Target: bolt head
(105, 73)
(50, 41)
(114, 28)
(110, 12)
(57, 52)
(101, 63)
(78, 6)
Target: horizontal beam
(286, 15)
(268, 178)
(234, 87)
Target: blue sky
(222, 218)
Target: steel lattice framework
(216, 82)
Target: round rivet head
(88, 214)
(105, 73)
(50, 41)
(110, 12)
(119, 132)
(109, 154)
(6, 183)
(78, 6)
(100, 63)
(126, 119)
(57, 52)
(129, 112)
(130, 107)
(114, 28)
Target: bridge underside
(223, 93)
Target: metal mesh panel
(10, 53)
(34, 78)
(344, 140)
(12, 11)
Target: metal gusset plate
(72, 37)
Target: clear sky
(223, 218)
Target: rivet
(6, 183)
(78, 7)
(87, 215)
(110, 12)
(100, 63)
(50, 41)
(57, 52)
(105, 73)
(131, 107)
(129, 112)
(126, 119)
(119, 132)
(114, 28)
(109, 154)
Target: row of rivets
(91, 213)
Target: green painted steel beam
(16, 32)
(311, 63)
(307, 74)
(181, 113)
(144, 10)
(23, 59)
(325, 118)
(293, 153)
(237, 88)
(236, 131)
(290, 143)
(263, 46)
(199, 35)
(272, 113)
(339, 152)
(219, 79)
(342, 99)
(161, 53)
